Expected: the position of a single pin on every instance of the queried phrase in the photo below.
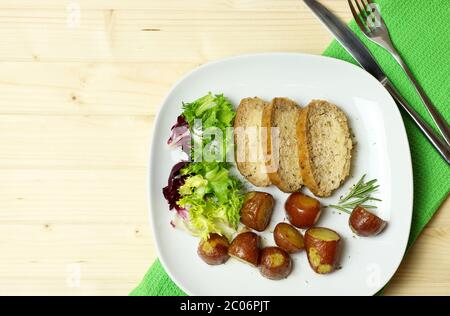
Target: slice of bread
(248, 139)
(282, 157)
(325, 147)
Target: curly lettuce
(212, 197)
(208, 118)
(208, 197)
(213, 110)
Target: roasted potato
(364, 223)
(257, 210)
(214, 250)
(275, 263)
(288, 238)
(246, 247)
(323, 249)
(302, 211)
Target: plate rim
(192, 72)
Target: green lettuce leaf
(212, 197)
(214, 112)
(210, 194)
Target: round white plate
(381, 151)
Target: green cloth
(421, 32)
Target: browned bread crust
(325, 147)
(283, 164)
(250, 162)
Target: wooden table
(80, 84)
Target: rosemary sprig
(359, 194)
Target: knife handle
(442, 147)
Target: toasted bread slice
(248, 140)
(282, 159)
(325, 147)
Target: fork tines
(362, 13)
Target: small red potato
(302, 211)
(288, 238)
(214, 250)
(323, 249)
(364, 223)
(276, 264)
(257, 210)
(246, 247)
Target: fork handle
(442, 147)
(442, 125)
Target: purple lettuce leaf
(170, 192)
(180, 135)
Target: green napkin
(421, 32)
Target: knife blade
(347, 38)
(364, 57)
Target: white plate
(382, 151)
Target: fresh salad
(206, 198)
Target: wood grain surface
(80, 84)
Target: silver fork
(368, 17)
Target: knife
(356, 48)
